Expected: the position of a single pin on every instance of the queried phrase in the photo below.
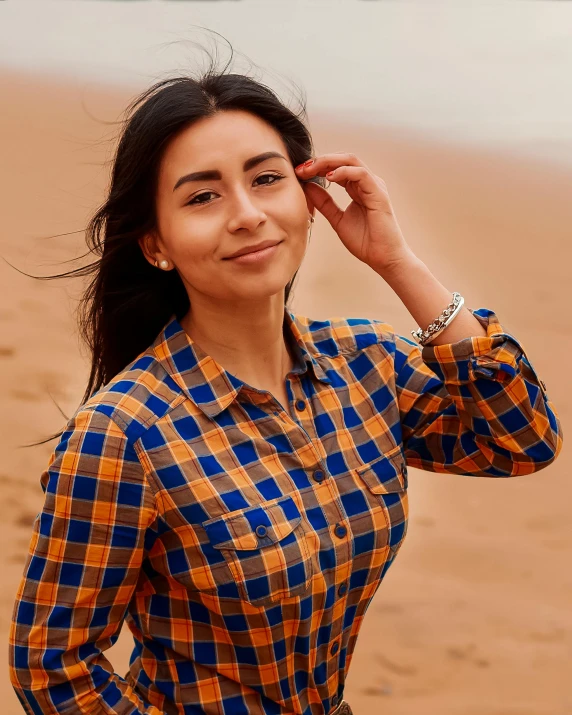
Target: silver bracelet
(423, 337)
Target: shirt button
(334, 648)
(335, 700)
(261, 530)
(340, 531)
(300, 405)
(318, 475)
(342, 589)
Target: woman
(234, 484)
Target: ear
(307, 193)
(148, 244)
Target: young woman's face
(202, 221)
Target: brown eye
(276, 178)
(194, 200)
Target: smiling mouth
(254, 249)
(256, 256)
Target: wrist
(392, 271)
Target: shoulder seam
(144, 471)
(123, 424)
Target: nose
(245, 213)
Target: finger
(358, 174)
(324, 203)
(366, 183)
(326, 162)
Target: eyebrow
(211, 174)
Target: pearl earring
(164, 264)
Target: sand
(474, 616)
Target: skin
(236, 310)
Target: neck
(247, 341)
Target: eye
(276, 177)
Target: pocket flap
(254, 527)
(386, 474)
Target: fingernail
(306, 163)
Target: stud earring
(164, 264)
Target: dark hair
(127, 301)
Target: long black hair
(127, 302)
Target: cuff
(498, 356)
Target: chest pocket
(267, 551)
(386, 478)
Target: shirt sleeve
(81, 570)
(475, 407)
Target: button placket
(299, 411)
(341, 532)
(303, 410)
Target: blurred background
(464, 110)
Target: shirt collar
(204, 380)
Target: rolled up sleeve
(81, 571)
(475, 407)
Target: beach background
(463, 111)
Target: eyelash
(194, 202)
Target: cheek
(191, 245)
(294, 213)
(298, 206)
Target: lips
(253, 249)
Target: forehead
(225, 139)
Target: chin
(261, 286)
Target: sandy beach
(474, 616)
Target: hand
(368, 227)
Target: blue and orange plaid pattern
(241, 542)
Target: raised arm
(82, 568)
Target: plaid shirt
(242, 543)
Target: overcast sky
(493, 72)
